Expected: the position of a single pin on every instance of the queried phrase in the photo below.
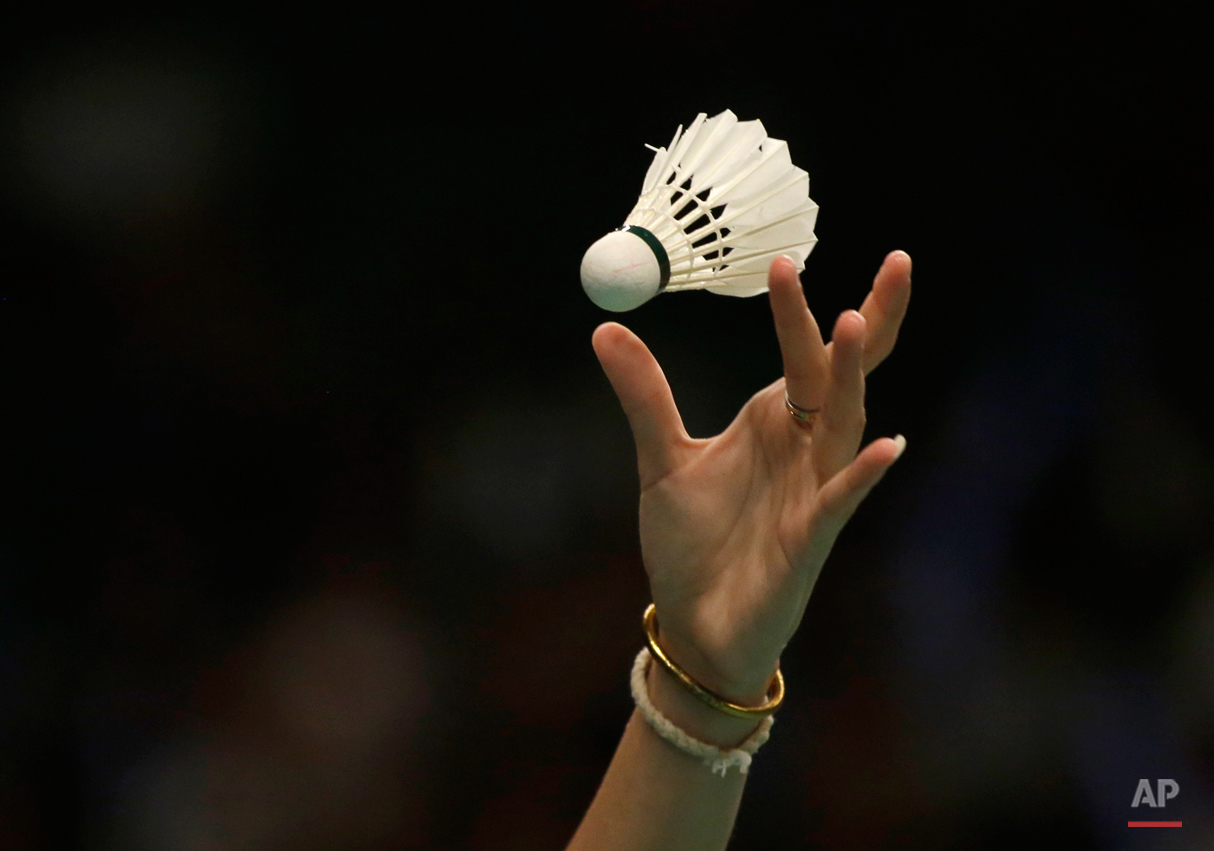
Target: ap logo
(1167, 790)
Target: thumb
(645, 396)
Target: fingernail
(900, 442)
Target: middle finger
(841, 428)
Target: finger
(885, 307)
(838, 434)
(804, 354)
(841, 496)
(645, 395)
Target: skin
(734, 532)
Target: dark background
(317, 515)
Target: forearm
(657, 797)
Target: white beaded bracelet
(715, 758)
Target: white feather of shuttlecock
(725, 200)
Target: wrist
(746, 689)
(695, 717)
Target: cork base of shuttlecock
(621, 272)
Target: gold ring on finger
(804, 416)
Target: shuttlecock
(714, 210)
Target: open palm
(735, 528)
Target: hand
(735, 528)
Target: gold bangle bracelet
(775, 691)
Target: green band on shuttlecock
(658, 251)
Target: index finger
(806, 367)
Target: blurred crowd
(318, 518)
